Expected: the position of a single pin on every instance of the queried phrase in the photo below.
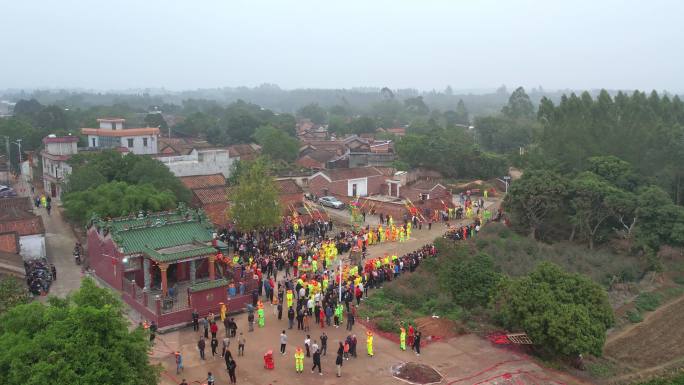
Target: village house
(21, 230)
(56, 154)
(188, 157)
(164, 264)
(111, 135)
(347, 182)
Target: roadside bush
(634, 316)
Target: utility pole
(9, 160)
(18, 143)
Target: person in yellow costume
(369, 343)
(402, 234)
(260, 314)
(325, 282)
(408, 231)
(224, 310)
(299, 360)
(390, 221)
(289, 296)
(382, 233)
(402, 338)
(314, 266)
(386, 260)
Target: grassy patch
(673, 292)
(679, 280)
(648, 301)
(601, 369)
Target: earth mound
(416, 373)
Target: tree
(83, 178)
(90, 169)
(563, 313)
(197, 123)
(115, 199)
(534, 197)
(519, 106)
(416, 106)
(362, 125)
(84, 339)
(12, 293)
(591, 196)
(255, 204)
(156, 120)
(313, 112)
(276, 143)
(470, 280)
(27, 108)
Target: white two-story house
(58, 150)
(112, 134)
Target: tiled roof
(203, 181)
(60, 139)
(322, 155)
(244, 151)
(22, 203)
(424, 184)
(214, 194)
(351, 173)
(157, 236)
(121, 133)
(288, 186)
(217, 213)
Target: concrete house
(112, 134)
(58, 150)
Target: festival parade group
(316, 287)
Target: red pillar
(164, 281)
(212, 268)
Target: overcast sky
(423, 44)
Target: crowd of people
(299, 273)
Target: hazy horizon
(423, 45)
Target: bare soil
(437, 328)
(658, 340)
(417, 373)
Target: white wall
(361, 187)
(61, 148)
(138, 147)
(32, 246)
(205, 162)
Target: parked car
(331, 202)
(7, 192)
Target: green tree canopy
(84, 339)
(564, 313)
(534, 197)
(115, 199)
(276, 143)
(12, 293)
(90, 170)
(314, 112)
(519, 105)
(471, 280)
(255, 202)
(156, 120)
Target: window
(93, 139)
(144, 142)
(130, 143)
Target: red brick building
(289, 194)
